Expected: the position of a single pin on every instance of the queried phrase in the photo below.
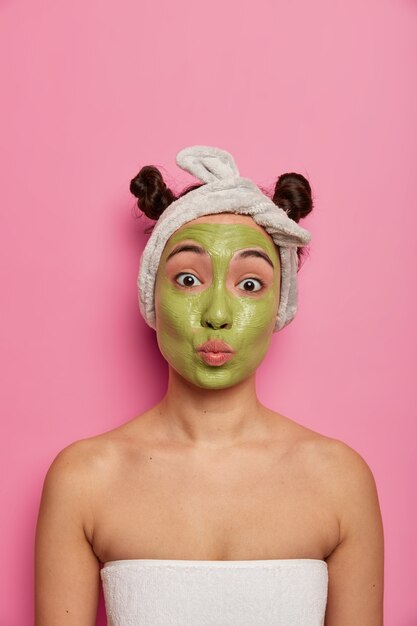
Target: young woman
(211, 508)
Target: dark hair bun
(152, 193)
(293, 194)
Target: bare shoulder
(340, 471)
(356, 564)
(72, 473)
(343, 468)
(80, 460)
(78, 477)
(348, 482)
(64, 532)
(353, 488)
(335, 456)
(90, 458)
(94, 460)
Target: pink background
(93, 90)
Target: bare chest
(238, 508)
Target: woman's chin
(215, 377)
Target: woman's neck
(210, 417)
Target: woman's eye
(250, 284)
(187, 280)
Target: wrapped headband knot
(207, 164)
(225, 191)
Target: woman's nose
(217, 313)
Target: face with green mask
(216, 299)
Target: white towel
(153, 592)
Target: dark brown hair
(292, 193)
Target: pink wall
(91, 91)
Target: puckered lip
(215, 345)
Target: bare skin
(208, 475)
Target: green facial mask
(216, 307)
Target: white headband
(224, 192)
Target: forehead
(226, 218)
(223, 234)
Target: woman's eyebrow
(186, 247)
(256, 253)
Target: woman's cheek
(177, 313)
(169, 305)
(257, 315)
